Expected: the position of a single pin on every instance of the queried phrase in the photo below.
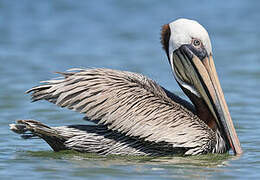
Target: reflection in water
(176, 166)
(210, 160)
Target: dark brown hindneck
(165, 37)
(202, 110)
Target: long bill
(200, 76)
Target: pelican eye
(196, 42)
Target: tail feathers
(91, 138)
(31, 129)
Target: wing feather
(128, 103)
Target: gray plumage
(134, 116)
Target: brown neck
(165, 36)
(202, 109)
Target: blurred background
(38, 38)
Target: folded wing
(128, 103)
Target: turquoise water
(38, 38)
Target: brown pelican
(136, 116)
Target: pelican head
(188, 48)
